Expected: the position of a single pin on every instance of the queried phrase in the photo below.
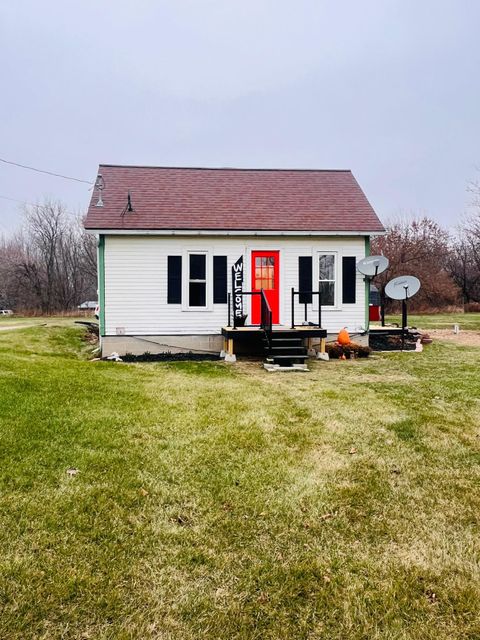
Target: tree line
(49, 265)
(447, 264)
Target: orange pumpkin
(343, 337)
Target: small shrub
(472, 307)
(169, 357)
(363, 351)
(353, 350)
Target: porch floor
(302, 331)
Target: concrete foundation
(138, 345)
(213, 343)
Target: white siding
(136, 282)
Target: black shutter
(349, 279)
(219, 279)
(174, 289)
(305, 278)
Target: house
(199, 259)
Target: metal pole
(382, 306)
(404, 321)
(293, 304)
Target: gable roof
(167, 198)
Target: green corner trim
(367, 287)
(101, 282)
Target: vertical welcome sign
(237, 288)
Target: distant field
(224, 502)
(467, 321)
(6, 321)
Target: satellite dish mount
(371, 267)
(403, 288)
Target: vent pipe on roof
(129, 202)
(99, 185)
(128, 207)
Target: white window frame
(208, 280)
(337, 278)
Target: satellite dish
(402, 288)
(371, 266)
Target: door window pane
(264, 272)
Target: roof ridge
(146, 166)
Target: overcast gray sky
(387, 88)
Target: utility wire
(31, 204)
(50, 173)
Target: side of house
(161, 293)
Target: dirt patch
(463, 338)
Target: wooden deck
(302, 331)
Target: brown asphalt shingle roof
(231, 199)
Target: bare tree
(464, 265)
(51, 265)
(419, 247)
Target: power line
(50, 173)
(31, 204)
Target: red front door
(265, 275)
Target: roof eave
(231, 232)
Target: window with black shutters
(197, 280)
(174, 277)
(219, 279)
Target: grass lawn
(6, 321)
(467, 321)
(223, 502)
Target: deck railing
(305, 303)
(265, 311)
(266, 318)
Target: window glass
(197, 266)
(327, 293)
(326, 277)
(197, 294)
(326, 267)
(197, 280)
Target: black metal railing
(265, 311)
(306, 303)
(266, 318)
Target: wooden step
(286, 343)
(292, 356)
(287, 333)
